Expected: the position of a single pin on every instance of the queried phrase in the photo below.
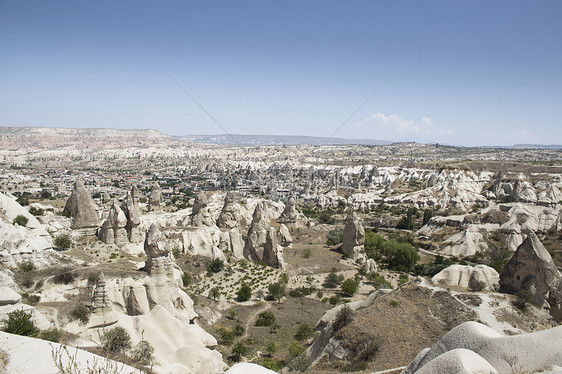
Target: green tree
(116, 339)
(276, 290)
(20, 220)
(427, 215)
(215, 265)
(238, 351)
(244, 293)
(349, 286)
(400, 256)
(214, 293)
(333, 279)
(334, 237)
(270, 348)
(304, 331)
(266, 318)
(63, 241)
(19, 322)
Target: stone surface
(158, 252)
(353, 238)
(80, 207)
(201, 215)
(257, 235)
(531, 268)
(479, 277)
(284, 236)
(273, 252)
(112, 230)
(229, 217)
(289, 215)
(131, 208)
(99, 297)
(155, 199)
(369, 266)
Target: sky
(456, 72)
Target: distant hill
(15, 138)
(275, 140)
(526, 146)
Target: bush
(349, 286)
(26, 267)
(334, 300)
(306, 253)
(304, 331)
(63, 241)
(64, 278)
(214, 293)
(400, 256)
(215, 265)
(143, 353)
(524, 297)
(226, 337)
(186, 279)
(276, 290)
(238, 330)
(295, 349)
(334, 237)
(333, 279)
(19, 322)
(20, 220)
(116, 340)
(378, 280)
(36, 211)
(81, 313)
(53, 335)
(266, 318)
(244, 293)
(343, 317)
(238, 351)
(270, 348)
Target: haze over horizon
(478, 73)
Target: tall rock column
(81, 209)
(353, 238)
(158, 252)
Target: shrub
(214, 293)
(295, 349)
(81, 313)
(63, 241)
(400, 256)
(244, 293)
(349, 286)
(143, 353)
(523, 298)
(19, 322)
(334, 300)
(238, 330)
(64, 278)
(334, 237)
(30, 299)
(343, 317)
(226, 337)
(36, 211)
(116, 339)
(306, 253)
(333, 279)
(215, 265)
(238, 351)
(270, 348)
(186, 279)
(53, 335)
(26, 267)
(20, 220)
(276, 290)
(266, 318)
(304, 331)
(476, 285)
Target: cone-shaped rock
(272, 252)
(200, 215)
(353, 238)
(229, 217)
(81, 209)
(157, 251)
(289, 214)
(531, 268)
(155, 200)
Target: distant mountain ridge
(237, 139)
(17, 138)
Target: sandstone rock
(289, 215)
(158, 252)
(531, 268)
(369, 266)
(229, 217)
(273, 252)
(284, 236)
(81, 209)
(112, 230)
(200, 215)
(465, 243)
(479, 277)
(99, 297)
(353, 238)
(8, 296)
(155, 199)
(131, 208)
(257, 234)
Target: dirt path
(252, 319)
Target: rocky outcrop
(475, 348)
(532, 269)
(465, 243)
(81, 209)
(257, 235)
(131, 208)
(289, 215)
(478, 278)
(155, 199)
(100, 300)
(369, 266)
(200, 215)
(272, 251)
(158, 252)
(229, 217)
(112, 230)
(353, 238)
(284, 236)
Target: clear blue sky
(481, 72)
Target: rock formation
(353, 238)
(369, 266)
(479, 277)
(284, 236)
(155, 199)
(112, 230)
(158, 252)
(257, 234)
(229, 217)
(99, 296)
(289, 215)
(131, 208)
(200, 215)
(81, 209)
(531, 268)
(272, 251)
